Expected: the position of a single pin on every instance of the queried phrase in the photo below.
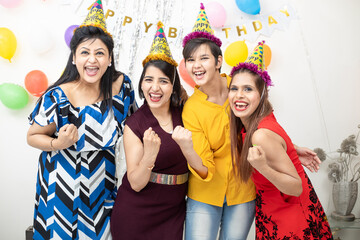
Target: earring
(110, 65)
(73, 62)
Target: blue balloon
(249, 6)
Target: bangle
(51, 144)
(151, 168)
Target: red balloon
(184, 74)
(36, 83)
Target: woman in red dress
(287, 206)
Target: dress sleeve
(133, 124)
(200, 142)
(133, 105)
(45, 111)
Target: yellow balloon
(236, 52)
(7, 43)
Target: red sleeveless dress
(280, 216)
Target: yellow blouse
(209, 124)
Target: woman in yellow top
(216, 198)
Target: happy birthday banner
(133, 25)
(248, 27)
(244, 29)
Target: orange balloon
(36, 83)
(267, 55)
(184, 74)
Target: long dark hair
(192, 45)
(240, 148)
(171, 72)
(71, 73)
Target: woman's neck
(162, 112)
(216, 90)
(82, 94)
(164, 117)
(85, 86)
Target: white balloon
(41, 41)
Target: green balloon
(13, 96)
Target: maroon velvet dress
(158, 210)
(280, 216)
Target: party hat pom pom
(160, 24)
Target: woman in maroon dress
(287, 206)
(150, 203)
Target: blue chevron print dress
(76, 187)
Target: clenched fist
(68, 135)
(182, 137)
(152, 144)
(256, 157)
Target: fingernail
(254, 145)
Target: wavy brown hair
(240, 148)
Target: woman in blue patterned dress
(76, 124)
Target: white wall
(315, 68)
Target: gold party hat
(96, 17)
(256, 63)
(160, 49)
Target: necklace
(164, 125)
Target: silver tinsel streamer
(157, 7)
(129, 46)
(141, 6)
(165, 13)
(164, 10)
(168, 10)
(178, 42)
(118, 31)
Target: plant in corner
(344, 172)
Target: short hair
(192, 45)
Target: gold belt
(168, 179)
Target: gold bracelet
(51, 144)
